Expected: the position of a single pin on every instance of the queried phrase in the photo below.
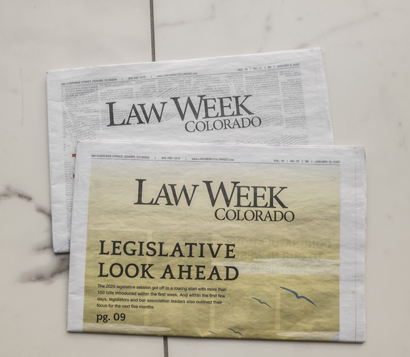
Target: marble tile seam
(166, 353)
(152, 24)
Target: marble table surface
(365, 44)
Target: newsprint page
(273, 98)
(219, 241)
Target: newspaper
(274, 98)
(219, 241)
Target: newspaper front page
(273, 98)
(219, 241)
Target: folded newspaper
(273, 98)
(219, 241)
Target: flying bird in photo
(261, 302)
(299, 297)
(235, 331)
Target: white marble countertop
(365, 44)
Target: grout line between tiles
(166, 346)
(151, 12)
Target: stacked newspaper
(200, 200)
(273, 98)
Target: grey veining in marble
(10, 192)
(59, 263)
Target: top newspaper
(272, 98)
